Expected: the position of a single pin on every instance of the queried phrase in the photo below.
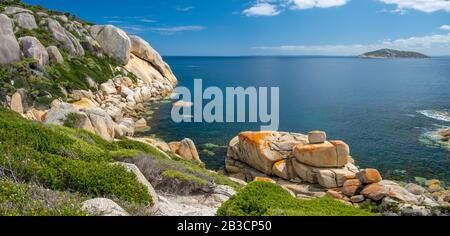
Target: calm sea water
(386, 110)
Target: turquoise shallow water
(386, 110)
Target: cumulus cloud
(275, 7)
(427, 6)
(445, 27)
(262, 9)
(437, 44)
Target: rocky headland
(309, 166)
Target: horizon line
(300, 55)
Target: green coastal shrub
(176, 175)
(267, 199)
(31, 200)
(64, 159)
(73, 72)
(41, 33)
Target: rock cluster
(309, 166)
(105, 107)
(290, 156)
(105, 112)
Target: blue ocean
(388, 111)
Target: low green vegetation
(73, 72)
(73, 160)
(42, 34)
(177, 175)
(31, 200)
(173, 175)
(267, 199)
(64, 159)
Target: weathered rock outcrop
(298, 163)
(186, 149)
(67, 39)
(290, 156)
(262, 150)
(9, 48)
(103, 207)
(143, 70)
(113, 41)
(32, 48)
(54, 55)
(25, 20)
(15, 10)
(143, 50)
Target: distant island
(391, 53)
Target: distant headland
(391, 53)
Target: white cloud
(427, 6)
(147, 20)
(275, 7)
(438, 44)
(136, 29)
(262, 9)
(445, 27)
(185, 9)
(307, 4)
(177, 29)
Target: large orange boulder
(284, 169)
(327, 155)
(261, 150)
(376, 191)
(369, 176)
(351, 187)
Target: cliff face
(59, 69)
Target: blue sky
(273, 27)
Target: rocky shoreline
(307, 166)
(105, 108)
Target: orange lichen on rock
(264, 179)
(369, 176)
(318, 155)
(255, 137)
